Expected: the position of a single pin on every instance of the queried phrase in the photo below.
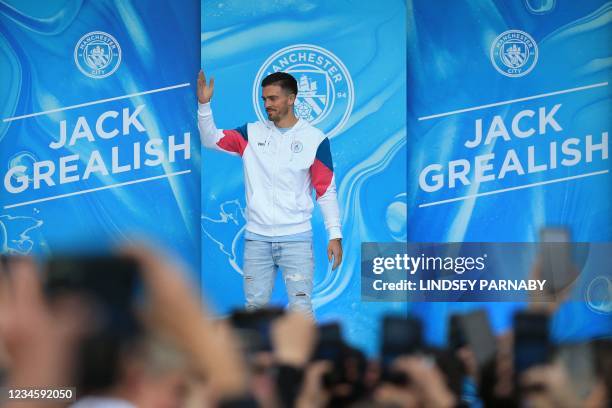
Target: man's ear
(291, 99)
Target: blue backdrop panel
(532, 77)
(349, 59)
(98, 140)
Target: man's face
(277, 102)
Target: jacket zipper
(274, 172)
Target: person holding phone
(284, 159)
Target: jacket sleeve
(323, 181)
(230, 141)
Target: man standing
(283, 159)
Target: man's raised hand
(205, 92)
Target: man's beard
(278, 114)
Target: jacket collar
(298, 125)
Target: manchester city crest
(296, 146)
(97, 54)
(325, 89)
(514, 53)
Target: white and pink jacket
(280, 172)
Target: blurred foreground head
(88, 321)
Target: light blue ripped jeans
(261, 262)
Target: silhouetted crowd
(129, 330)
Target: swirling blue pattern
(38, 73)
(369, 153)
(450, 69)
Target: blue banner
(98, 141)
(508, 133)
(353, 56)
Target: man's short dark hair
(286, 81)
